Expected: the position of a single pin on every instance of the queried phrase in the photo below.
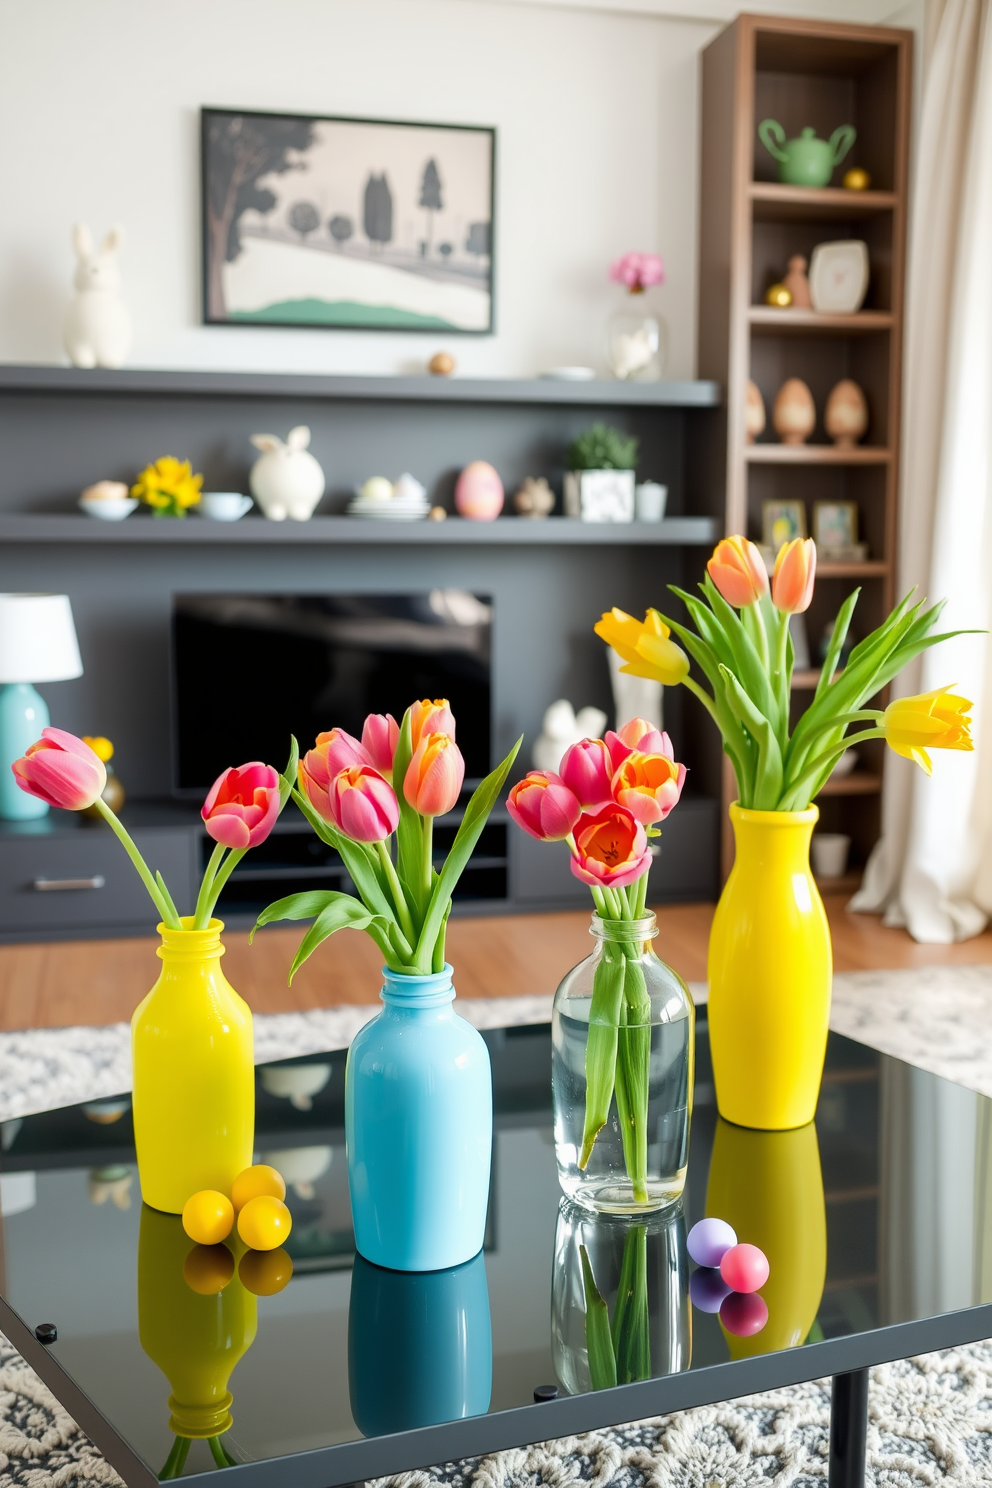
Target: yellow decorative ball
(264, 1223)
(779, 296)
(208, 1268)
(856, 179)
(208, 1217)
(265, 1272)
(254, 1182)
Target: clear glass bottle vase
(623, 1055)
(637, 340)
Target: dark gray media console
(61, 429)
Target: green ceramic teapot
(806, 161)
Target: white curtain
(932, 870)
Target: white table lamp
(37, 644)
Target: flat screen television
(249, 670)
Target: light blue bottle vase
(418, 1126)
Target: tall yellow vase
(194, 1074)
(770, 973)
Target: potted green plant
(599, 481)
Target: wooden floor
(96, 982)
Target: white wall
(596, 109)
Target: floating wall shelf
(767, 320)
(771, 202)
(816, 454)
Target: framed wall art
(349, 224)
(781, 521)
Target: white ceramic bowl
(111, 509)
(224, 506)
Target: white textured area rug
(930, 1419)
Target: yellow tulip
(644, 646)
(933, 720)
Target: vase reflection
(619, 1298)
(420, 1347)
(768, 1185)
(196, 1319)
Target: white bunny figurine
(97, 331)
(286, 480)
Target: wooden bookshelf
(803, 72)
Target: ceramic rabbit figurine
(286, 480)
(97, 330)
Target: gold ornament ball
(441, 365)
(856, 179)
(779, 296)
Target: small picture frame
(835, 524)
(781, 521)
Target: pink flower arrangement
(638, 271)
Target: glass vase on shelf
(636, 340)
(623, 1040)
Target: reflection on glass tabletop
(874, 1220)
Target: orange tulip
(434, 776)
(648, 785)
(428, 717)
(795, 570)
(738, 571)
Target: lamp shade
(37, 639)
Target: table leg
(848, 1429)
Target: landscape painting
(346, 223)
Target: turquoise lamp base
(23, 715)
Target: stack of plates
(390, 509)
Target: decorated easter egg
(709, 1240)
(744, 1268)
(208, 1217)
(265, 1272)
(264, 1222)
(479, 492)
(744, 1313)
(707, 1289)
(208, 1268)
(260, 1179)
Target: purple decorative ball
(744, 1268)
(709, 1241)
(707, 1289)
(744, 1313)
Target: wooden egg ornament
(794, 412)
(779, 296)
(856, 179)
(442, 364)
(754, 412)
(845, 417)
(797, 283)
(479, 493)
(208, 1217)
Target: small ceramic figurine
(779, 296)
(797, 283)
(806, 160)
(794, 413)
(845, 417)
(754, 412)
(479, 492)
(441, 365)
(97, 329)
(562, 727)
(535, 498)
(286, 480)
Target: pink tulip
(242, 806)
(340, 749)
(795, 571)
(331, 754)
(637, 734)
(430, 718)
(434, 776)
(62, 770)
(648, 785)
(611, 848)
(362, 805)
(380, 736)
(544, 806)
(587, 770)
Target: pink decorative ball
(479, 492)
(744, 1313)
(709, 1240)
(744, 1268)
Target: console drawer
(85, 879)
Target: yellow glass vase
(769, 1187)
(770, 972)
(194, 1074)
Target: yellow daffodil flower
(932, 720)
(168, 486)
(644, 646)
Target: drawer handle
(52, 885)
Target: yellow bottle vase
(194, 1075)
(770, 973)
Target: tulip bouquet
(606, 802)
(241, 809)
(363, 795)
(742, 645)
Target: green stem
(218, 1453)
(202, 914)
(782, 680)
(642, 896)
(427, 860)
(169, 917)
(217, 887)
(396, 890)
(813, 768)
(170, 1461)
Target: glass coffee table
(874, 1220)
